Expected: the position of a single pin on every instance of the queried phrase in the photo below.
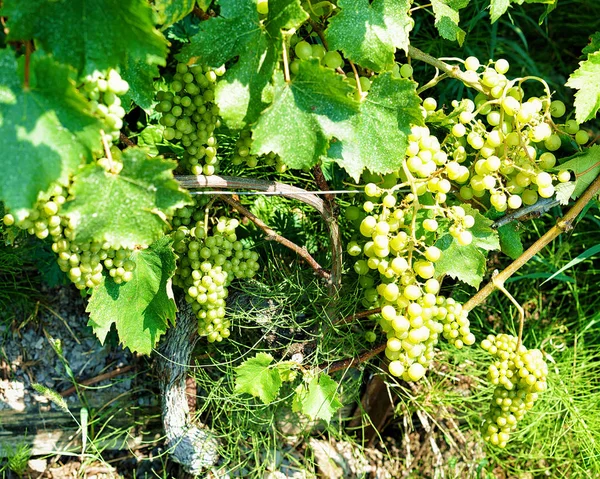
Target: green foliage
(585, 80)
(239, 32)
(447, 19)
(80, 36)
(147, 187)
(255, 376)
(510, 240)
(141, 309)
(44, 127)
(378, 135)
(369, 33)
(468, 263)
(318, 400)
(304, 115)
(586, 166)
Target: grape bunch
(190, 116)
(397, 267)
(209, 262)
(242, 154)
(83, 262)
(103, 92)
(501, 147)
(519, 376)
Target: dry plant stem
(292, 192)
(362, 314)
(28, 51)
(286, 67)
(96, 379)
(452, 70)
(352, 362)
(357, 78)
(126, 140)
(563, 224)
(273, 236)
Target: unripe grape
(557, 108)
(262, 6)
(472, 63)
(406, 71)
(303, 50)
(501, 66)
(582, 137)
(333, 59)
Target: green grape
(303, 50)
(406, 71)
(262, 6)
(333, 59)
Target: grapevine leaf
(239, 32)
(139, 74)
(125, 209)
(368, 33)
(169, 12)
(586, 79)
(594, 45)
(446, 20)
(45, 131)
(377, 137)
(498, 8)
(586, 166)
(321, 400)
(142, 308)
(510, 240)
(255, 376)
(484, 236)
(78, 33)
(465, 263)
(305, 113)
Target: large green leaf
(376, 138)
(93, 35)
(126, 209)
(239, 32)
(498, 8)
(45, 130)
(586, 79)
(142, 308)
(257, 377)
(304, 115)
(368, 33)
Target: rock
(37, 465)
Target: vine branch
(273, 236)
(563, 224)
(288, 191)
(352, 362)
(28, 51)
(452, 70)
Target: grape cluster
(103, 91)
(413, 313)
(209, 262)
(242, 154)
(501, 146)
(519, 376)
(191, 116)
(84, 262)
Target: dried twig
(96, 379)
(352, 362)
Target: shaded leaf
(142, 308)
(510, 240)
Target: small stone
(37, 465)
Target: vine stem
(273, 236)
(452, 70)
(286, 67)
(352, 362)
(563, 224)
(288, 191)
